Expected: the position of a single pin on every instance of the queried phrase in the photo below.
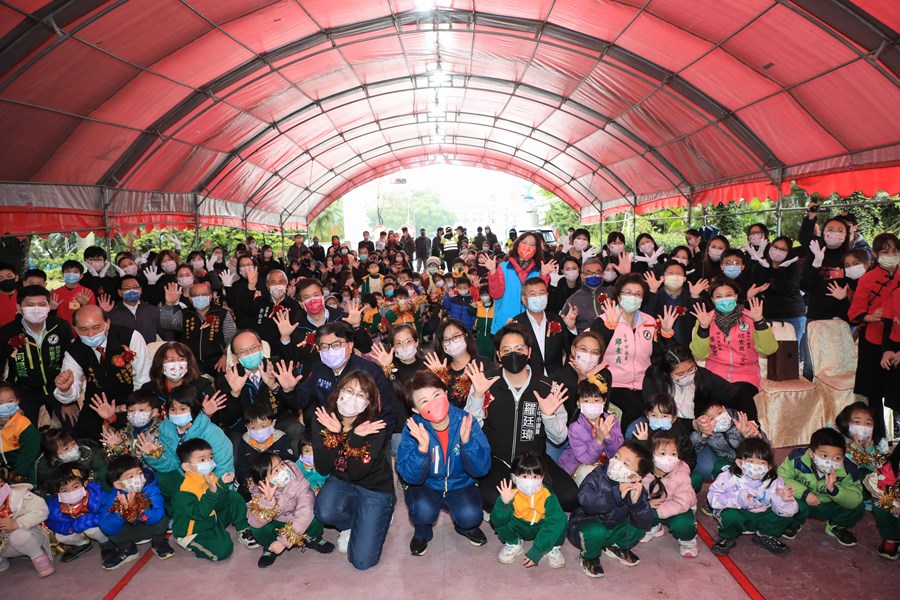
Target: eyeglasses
(332, 345)
(587, 350)
(521, 349)
(592, 273)
(248, 351)
(690, 371)
(404, 344)
(455, 338)
(630, 293)
(348, 393)
(733, 263)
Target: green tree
(420, 207)
(329, 222)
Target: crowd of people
(582, 391)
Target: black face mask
(7, 285)
(514, 362)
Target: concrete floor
(451, 569)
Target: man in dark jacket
(479, 238)
(437, 245)
(423, 250)
(407, 243)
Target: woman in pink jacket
(672, 496)
(280, 511)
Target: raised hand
(604, 427)
(227, 478)
(611, 312)
(625, 261)
(548, 267)
(83, 297)
(354, 313)
(382, 357)
(221, 364)
(704, 425)
(328, 420)
(653, 282)
(172, 293)
(282, 320)
(590, 252)
(555, 278)
(698, 288)
(488, 263)
(284, 373)
(755, 311)
(146, 444)
(210, 263)
(465, 429)
(105, 409)
(252, 275)
(755, 290)
(480, 383)
(152, 274)
(507, 491)
(267, 374)
(70, 412)
(215, 403)
(235, 380)
(105, 302)
(818, 253)
(55, 301)
(837, 291)
(641, 431)
(786, 492)
(228, 277)
(741, 423)
(64, 380)
(670, 314)
(420, 434)
(267, 489)
(551, 403)
(109, 437)
(369, 427)
(433, 364)
(703, 316)
(571, 317)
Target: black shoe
(418, 546)
(245, 537)
(791, 532)
(842, 535)
(73, 552)
(626, 557)
(888, 550)
(476, 537)
(108, 550)
(163, 550)
(320, 546)
(121, 558)
(591, 566)
(266, 560)
(706, 510)
(722, 546)
(771, 544)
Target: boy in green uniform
(20, 442)
(484, 318)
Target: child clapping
(672, 497)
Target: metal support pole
(281, 227)
(106, 203)
(778, 204)
(690, 211)
(197, 222)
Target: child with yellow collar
(20, 442)
(205, 506)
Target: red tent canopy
(261, 113)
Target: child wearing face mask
(205, 505)
(721, 430)
(280, 512)
(594, 434)
(76, 508)
(484, 320)
(615, 511)
(826, 486)
(458, 305)
(61, 448)
(260, 437)
(660, 415)
(884, 487)
(21, 515)
(751, 496)
(864, 449)
(72, 295)
(143, 416)
(672, 497)
(20, 438)
(132, 512)
(307, 464)
(529, 511)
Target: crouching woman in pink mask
(442, 452)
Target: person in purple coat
(594, 434)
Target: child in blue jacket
(133, 511)
(442, 452)
(458, 305)
(76, 507)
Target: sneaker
(266, 560)
(169, 527)
(44, 565)
(688, 549)
(555, 559)
(142, 542)
(486, 516)
(163, 550)
(655, 532)
(476, 537)
(842, 535)
(886, 550)
(706, 510)
(722, 546)
(591, 567)
(791, 532)
(120, 558)
(4, 564)
(320, 546)
(626, 557)
(107, 551)
(771, 544)
(343, 541)
(509, 552)
(418, 546)
(73, 552)
(868, 505)
(245, 536)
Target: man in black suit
(550, 336)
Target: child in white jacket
(21, 534)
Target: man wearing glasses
(587, 302)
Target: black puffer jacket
(601, 501)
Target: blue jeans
(367, 513)
(554, 451)
(705, 460)
(425, 504)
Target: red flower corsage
(309, 340)
(277, 309)
(680, 311)
(126, 357)
(210, 319)
(602, 297)
(20, 341)
(553, 327)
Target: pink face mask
(314, 305)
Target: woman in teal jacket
(505, 280)
(442, 452)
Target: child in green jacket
(484, 318)
(205, 505)
(20, 442)
(827, 486)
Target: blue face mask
(663, 423)
(132, 295)
(94, 341)
(726, 305)
(181, 420)
(9, 409)
(71, 278)
(732, 271)
(200, 302)
(389, 293)
(593, 281)
(251, 361)
(206, 467)
(363, 257)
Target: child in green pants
(672, 495)
(205, 506)
(529, 511)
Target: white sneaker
(509, 552)
(688, 549)
(555, 559)
(343, 541)
(487, 516)
(4, 564)
(655, 532)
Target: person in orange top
(867, 310)
(8, 280)
(72, 296)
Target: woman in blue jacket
(442, 452)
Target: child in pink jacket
(672, 496)
(280, 512)
(595, 435)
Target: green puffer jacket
(797, 471)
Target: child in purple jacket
(594, 435)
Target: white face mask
(753, 470)
(855, 272)
(350, 405)
(134, 484)
(130, 270)
(198, 264)
(888, 262)
(528, 485)
(673, 282)
(168, 266)
(283, 477)
(665, 463)
(571, 274)
(260, 435)
(406, 352)
(647, 248)
(777, 255)
(455, 348)
(35, 314)
(756, 239)
(609, 276)
(715, 254)
(860, 433)
(825, 466)
(186, 281)
(833, 240)
(591, 410)
(73, 497)
(723, 423)
(175, 371)
(70, 455)
(580, 245)
(616, 249)
(586, 361)
(618, 472)
(277, 291)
